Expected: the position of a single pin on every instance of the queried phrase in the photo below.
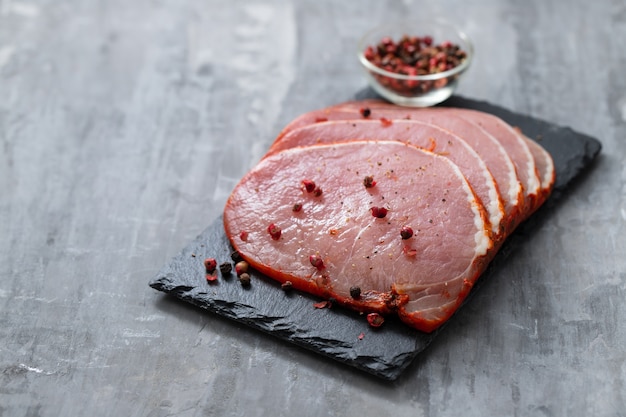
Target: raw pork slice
(545, 167)
(518, 150)
(492, 127)
(488, 148)
(328, 242)
(420, 134)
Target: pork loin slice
(545, 167)
(493, 130)
(423, 278)
(488, 148)
(420, 134)
(518, 150)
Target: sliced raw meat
(488, 148)
(516, 148)
(420, 134)
(334, 243)
(545, 167)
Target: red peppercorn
(379, 212)
(317, 192)
(409, 251)
(211, 278)
(297, 207)
(210, 264)
(414, 56)
(309, 185)
(369, 182)
(406, 232)
(243, 236)
(274, 231)
(365, 112)
(317, 261)
(385, 122)
(323, 304)
(375, 319)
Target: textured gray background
(125, 124)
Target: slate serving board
(338, 333)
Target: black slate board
(338, 333)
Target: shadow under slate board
(336, 332)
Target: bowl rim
(468, 47)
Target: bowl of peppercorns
(415, 63)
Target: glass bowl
(405, 88)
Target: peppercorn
(210, 264)
(414, 56)
(296, 207)
(236, 256)
(375, 319)
(287, 285)
(369, 182)
(317, 192)
(241, 267)
(365, 111)
(355, 292)
(316, 261)
(379, 212)
(274, 231)
(244, 279)
(406, 232)
(309, 185)
(226, 268)
(211, 277)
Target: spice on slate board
(244, 279)
(210, 264)
(226, 268)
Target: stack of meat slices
(387, 209)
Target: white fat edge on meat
(548, 175)
(493, 207)
(481, 237)
(515, 186)
(531, 168)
